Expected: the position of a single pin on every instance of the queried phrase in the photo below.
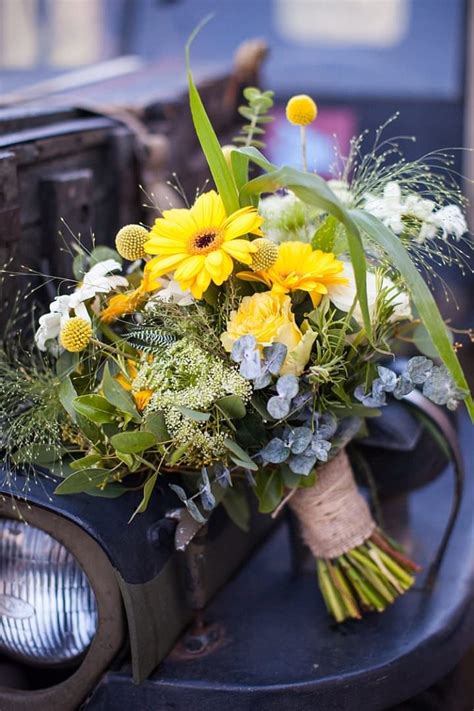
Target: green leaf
(85, 462)
(83, 480)
(325, 236)
(240, 168)
(67, 395)
(147, 492)
(38, 454)
(194, 414)
(101, 253)
(93, 433)
(80, 265)
(423, 342)
(237, 507)
(155, 423)
(111, 491)
(313, 190)
(133, 442)
(232, 406)
(96, 408)
(66, 364)
(118, 396)
(207, 137)
(420, 294)
(178, 453)
(269, 489)
(240, 453)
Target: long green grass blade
(220, 171)
(420, 293)
(313, 190)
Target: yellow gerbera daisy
(199, 244)
(300, 267)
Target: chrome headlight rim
(111, 628)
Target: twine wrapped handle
(333, 516)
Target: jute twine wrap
(333, 516)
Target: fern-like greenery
(150, 340)
(256, 110)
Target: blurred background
(362, 60)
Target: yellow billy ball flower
(301, 110)
(75, 334)
(265, 256)
(130, 242)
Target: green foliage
(255, 111)
(237, 507)
(420, 293)
(220, 171)
(269, 489)
(325, 236)
(150, 340)
(133, 442)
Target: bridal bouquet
(241, 342)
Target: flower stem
(304, 159)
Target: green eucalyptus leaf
(147, 492)
(38, 454)
(90, 431)
(420, 293)
(67, 394)
(240, 453)
(178, 453)
(155, 423)
(194, 414)
(83, 480)
(101, 253)
(269, 489)
(95, 408)
(89, 460)
(133, 442)
(80, 265)
(111, 491)
(232, 406)
(118, 396)
(237, 507)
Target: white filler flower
(343, 295)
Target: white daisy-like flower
(99, 280)
(388, 208)
(451, 221)
(60, 311)
(343, 295)
(171, 292)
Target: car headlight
(48, 611)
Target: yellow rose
(268, 317)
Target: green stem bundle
(369, 577)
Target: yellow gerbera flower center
(206, 242)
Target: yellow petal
(219, 265)
(208, 210)
(162, 265)
(239, 249)
(239, 223)
(189, 268)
